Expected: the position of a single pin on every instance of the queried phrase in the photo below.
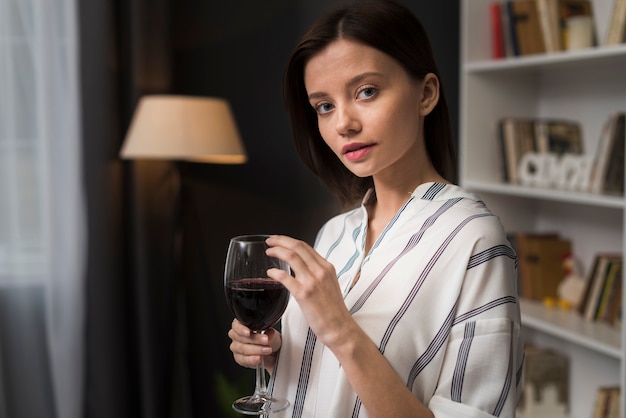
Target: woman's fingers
(295, 252)
(305, 262)
(248, 347)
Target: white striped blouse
(437, 294)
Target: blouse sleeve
(481, 372)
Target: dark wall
(238, 50)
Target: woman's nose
(348, 122)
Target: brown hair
(394, 30)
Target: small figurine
(570, 290)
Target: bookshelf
(585, 85)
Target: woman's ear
(430, 94)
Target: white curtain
(42, 219)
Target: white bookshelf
(585, 85)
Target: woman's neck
(387, 202)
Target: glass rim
(251, 238)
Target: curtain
(42, 220)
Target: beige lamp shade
(184, 128)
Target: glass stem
(261, 384)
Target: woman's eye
(367, 93)
(323, 108)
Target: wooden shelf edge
(571, 327)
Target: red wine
(257, 303)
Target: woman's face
(370, 112)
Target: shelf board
(592, 199)
(591, 56)
(572, 327)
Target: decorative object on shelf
(546, 377)
(573, 11)
(566, 172)
(580, 32)
(570, 290)
(519, 136)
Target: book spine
(497, 41)
(510, 14)
(543, 10)
(617, 28)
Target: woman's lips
(356, 151)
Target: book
(540, 264)
(558, 136)
(601, 158)
(497, 40)
(524, 19)
(607, 402)
(614, 308)
(549, 21)
(614, 177)
(595, 283)
(608, 166)
(614, 402)
(617, 28)
(509, 16)
(507, 38)
(613, 270)
(517, 137)
(601, 405)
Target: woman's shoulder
(463, 211)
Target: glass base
(259, 405)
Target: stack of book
(526, 27)
(517, 136)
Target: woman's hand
(314, 287)
(248, 347)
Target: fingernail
(266, 350)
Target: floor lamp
(183, 129)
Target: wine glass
(258, 302)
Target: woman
(407, 306)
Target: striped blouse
(437, 294)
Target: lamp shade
(184, 128)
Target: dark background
(156, 330)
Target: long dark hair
(394, 30)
